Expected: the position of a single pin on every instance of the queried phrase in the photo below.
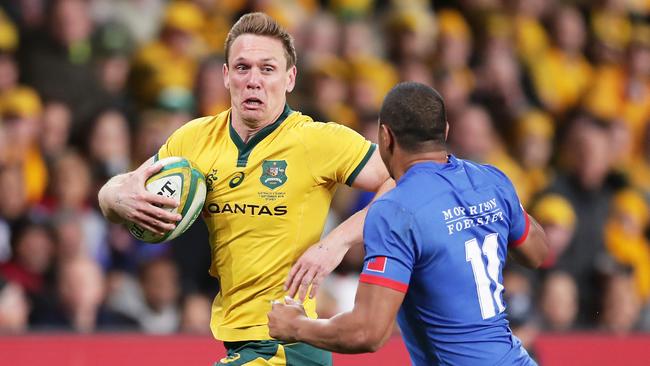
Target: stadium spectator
(13, 194)
(472, 136)
(71, 186)
(321, 39)
(154, 303)
(621, 90)
(13, 207)
(21, 114)
(559, 302)
(410, 31)
(329, 91)
(78, 303)
(522, 310)
(113, 48)
(621, 304)
(454, 46)
(108, 145)
(626, 241)
(640, 174)
(562, 74)
(32, 257)
(498, 84)
(587, 184)
(8, 72)
(211, 97)
(531, 38)
(611, 29)
(195, 317)
(558, 219)
(169, 62)
(55, 136)
(14, 308)
(533, 137)
(58, 62)
(129, 14)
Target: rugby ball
(181, 180)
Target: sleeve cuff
(523, 237)
(384, 282)
(362, 164)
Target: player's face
(258, 79)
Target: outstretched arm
(321, 258)
(124, 198)
(364, 329)
(533, 250)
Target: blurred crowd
(555, 93)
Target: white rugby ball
(181, 180)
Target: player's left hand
(312, 268)
(283, 317)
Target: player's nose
(254, 80)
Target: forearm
(342, 334)
(364, 329)
(350, 231)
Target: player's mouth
(252, 103)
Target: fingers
(143, 173)
(160, 201)
(163, 219)
(315, 284)
(292, 273)
(152, 224)
(151, 170)
(304, 284)
(147, 226)
(296, 280)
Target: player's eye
(268, 68)
(241, 67)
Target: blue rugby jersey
(441, 236)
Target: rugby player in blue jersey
(435, 249)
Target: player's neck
(248, 128)
(407, 160)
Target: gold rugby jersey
(267, 203)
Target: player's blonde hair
(262, 25)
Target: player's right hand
(129, 200)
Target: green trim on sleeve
(156, 158)
(359, 167)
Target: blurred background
(555, 93)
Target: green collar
(246, 148)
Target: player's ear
(386, 137)
(291, 75)
(226, 80)
(446, 130)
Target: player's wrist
(341, 242)
(300, 328)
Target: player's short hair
(262, 25)
(416, 115)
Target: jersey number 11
(474, 255)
